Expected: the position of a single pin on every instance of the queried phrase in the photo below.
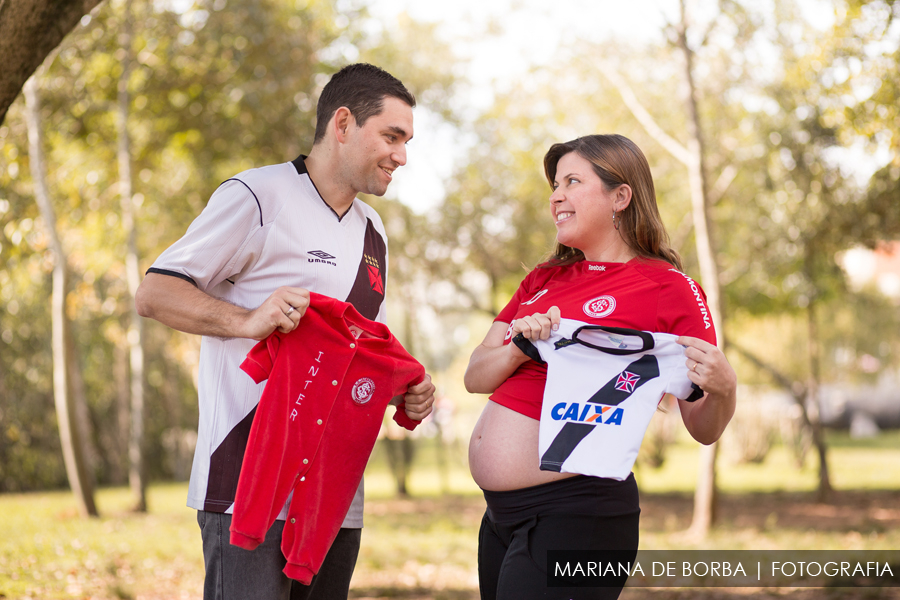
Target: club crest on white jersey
(600, 307)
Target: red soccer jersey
(643, 294)
(329, 382)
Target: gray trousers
(233, 573)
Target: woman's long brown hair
(617, 161)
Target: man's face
(374, 151)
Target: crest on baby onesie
(362, 390)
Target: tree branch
(795, 388)
(722, 183)
(673, 146)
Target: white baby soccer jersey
(603, 386)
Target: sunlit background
(798, 121)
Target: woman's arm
(706, 418)
(492, 362)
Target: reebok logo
(536, 296)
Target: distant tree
(67, 384)
(809, 207)
(138, 134)
(135, 336)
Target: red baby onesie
(315, 427)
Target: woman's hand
(707, 366)
(538, 326)
(493, 360)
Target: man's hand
(282, 311)
(420, 399)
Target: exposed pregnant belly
(503, 451)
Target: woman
(612, 267)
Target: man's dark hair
(360, 87)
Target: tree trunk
(705, 494)
(71, 438)
(401, 452)
(119, 466)
(813, 403)
(29, 31)
(136, 477)
(398, 443)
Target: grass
(425, 547)
(872, 463)
(49, 552)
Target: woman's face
(580, 205)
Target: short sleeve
(683, 309)
(210, 250)
(261, 358)
(407, 372)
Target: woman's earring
(615, 222)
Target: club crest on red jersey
(374, 271)
(362, 390)
(599, 307)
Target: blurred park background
(773, 132)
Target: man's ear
(342, 121)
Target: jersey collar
(300, 164)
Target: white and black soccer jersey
(603, 386)
(263, 229)
(643, 294)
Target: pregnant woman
(614, 276)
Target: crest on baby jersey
(362, 390)
(600, 307)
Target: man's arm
(180, 305)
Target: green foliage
(224, 85)
(215, 87)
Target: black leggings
(512, 553)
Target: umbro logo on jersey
(321, 257)
(600, 307)
(588, 413)
(362, 390)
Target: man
(245, 268)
